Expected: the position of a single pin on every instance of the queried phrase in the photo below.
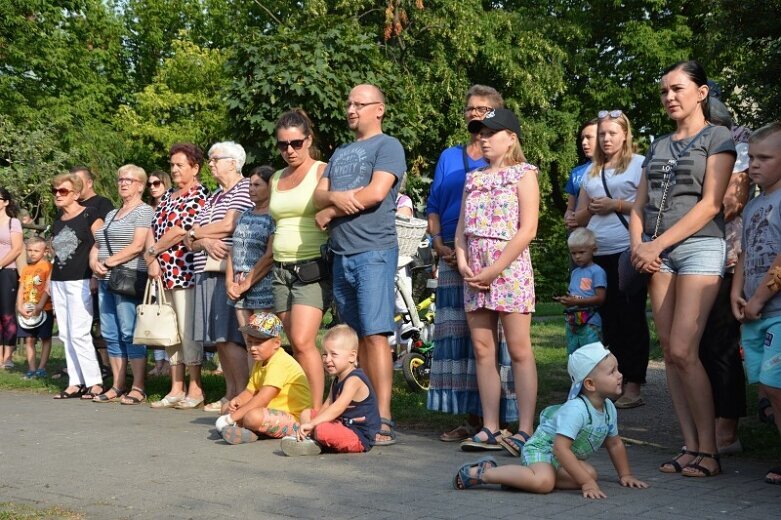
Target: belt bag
(311, 271)
(577, 317)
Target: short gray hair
(233, 150)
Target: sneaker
(292, 447)
(238, 435)
(8, 365)
(29, 375)
(40, 373)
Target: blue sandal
(463, 480)
(476, 444)
(512, 444)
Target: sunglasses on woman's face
(295, 143)
(602, 114)
(62, 192)
(154, 184)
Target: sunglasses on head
(154, 184)
(295, 143)
(62, 192)
(602, 114)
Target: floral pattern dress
(491, 219)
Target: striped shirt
(121, 232)
(218, 205)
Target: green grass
(11, 511)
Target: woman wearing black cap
(498, 221)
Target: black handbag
(124, 280)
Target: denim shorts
(364, 288)
(761, 341)
(696, 255)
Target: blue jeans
(117, 321)
(364, 290)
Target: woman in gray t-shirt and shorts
(678, 207)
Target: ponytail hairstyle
(696, 73)
(297, 118)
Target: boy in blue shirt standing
(755, 297)
(587, 289)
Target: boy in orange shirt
(34, 306)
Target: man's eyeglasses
(154, 184)
(62, 192)
(602, 114)
(295, 143)
(359, 106)
(479, 110)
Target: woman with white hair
(215, 322)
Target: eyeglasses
(480, 110)
(126, 180)
(154, 184)
(218, 158)
(602, 114)
(62, 192)
(295, 143)
(359, 106)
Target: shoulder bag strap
(465, 157)
(105, 233)
(607, 192)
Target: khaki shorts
(288, 290)
(189, 352)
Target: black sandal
(130, 400)
(90, 394)
(677, 468)
(702, 471)
(71, 395)
(104, 398)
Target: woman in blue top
(588, 143)
(453, 381)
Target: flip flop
(388, 432)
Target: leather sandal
(104, 398)
(130, 400)
(513, 444)
(696, 469)
(90, 394)
(676, 466)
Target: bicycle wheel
(416, 371)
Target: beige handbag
(156, 325)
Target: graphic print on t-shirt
(350, 169)
(65, 243)
(760, 242)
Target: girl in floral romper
(498, 221)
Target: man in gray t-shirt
(356, 197)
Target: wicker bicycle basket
(410, 233)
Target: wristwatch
(191, 234)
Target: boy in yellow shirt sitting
(277, 391)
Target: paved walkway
(119, 462)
